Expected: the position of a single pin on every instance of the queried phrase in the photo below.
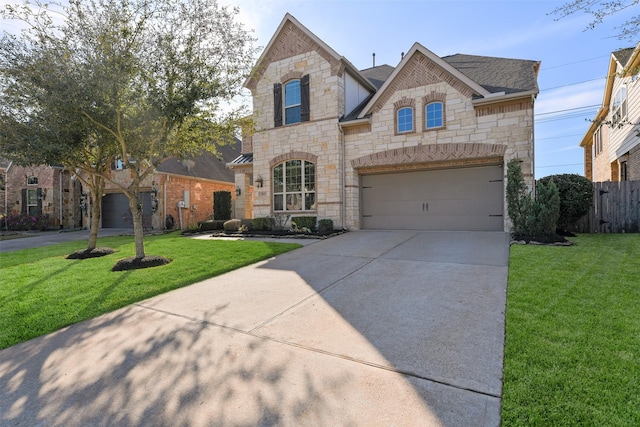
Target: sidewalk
(45, 238)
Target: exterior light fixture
(259, 181)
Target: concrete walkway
(364, 329)
(46, 238)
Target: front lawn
(572, 355)
(42, 291)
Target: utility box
(185, 198)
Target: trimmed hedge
(325, 225)
(264, 223)
(211, 225)
(576, 197)
(301, 222)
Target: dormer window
(293, 104)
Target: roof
(497, 74)
(205, 165)
(243, 159)
(623, 55)
(378, 75)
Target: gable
(417, 72)
(292, 39)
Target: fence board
(616, 208)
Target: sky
(574, 61)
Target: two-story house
(612, 142)
(423, 145)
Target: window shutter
(24, 201)
(304, 99)
(277, 104)
(39, 195)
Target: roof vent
(374, 59)
(401, 56)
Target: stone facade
(476, 131)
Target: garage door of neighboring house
(447, 199)
(116, 212)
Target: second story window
(433, 115)
(292, 102)
(619, 108)
(405, 120)
(32, 180)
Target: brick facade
(59, 194)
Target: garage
(116, 212)
(465, 199)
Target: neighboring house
(41, 190)
(612, 143)
(420, 146)
(179, 189)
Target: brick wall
(633, 164)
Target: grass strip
(42, 291)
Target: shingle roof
(378, 75)
(206, 165)
(497, 74)
(623, 55)
(243, 159)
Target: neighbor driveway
(366, 328)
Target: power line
(557, 166)
(572, 84)
(573, 63)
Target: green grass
(572, 355)
(42, 291)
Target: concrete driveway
(366, 328)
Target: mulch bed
(556, 240)
(137, 263)
(282, 234)
(91, 253)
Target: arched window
(292, 102)
(434, 116)
(405, 119)
(32, 180)
(294, 186)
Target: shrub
(576, 197)
(211, 224)
(299, 223)
(264, 223)
(25, 222)
(222, 205)
(544, 212)
(325, 225)
(246, 224)
(232, 225)
(518, 198)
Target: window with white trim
(619, 108)
(597, 141)
(434, 115)
(32, 202)
(405, 120)
(292, 102)
(294, 186)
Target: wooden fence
(616, 208)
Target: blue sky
(574, 61)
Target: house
(422, 145)
(612, 142)
(40, 190)
(179, 193)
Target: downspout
(343, 214)
(164, 199)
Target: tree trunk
(96, 211)
(135, 204)
(97, 189)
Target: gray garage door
(116, 212)
(447, 199)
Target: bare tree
(600, 10)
